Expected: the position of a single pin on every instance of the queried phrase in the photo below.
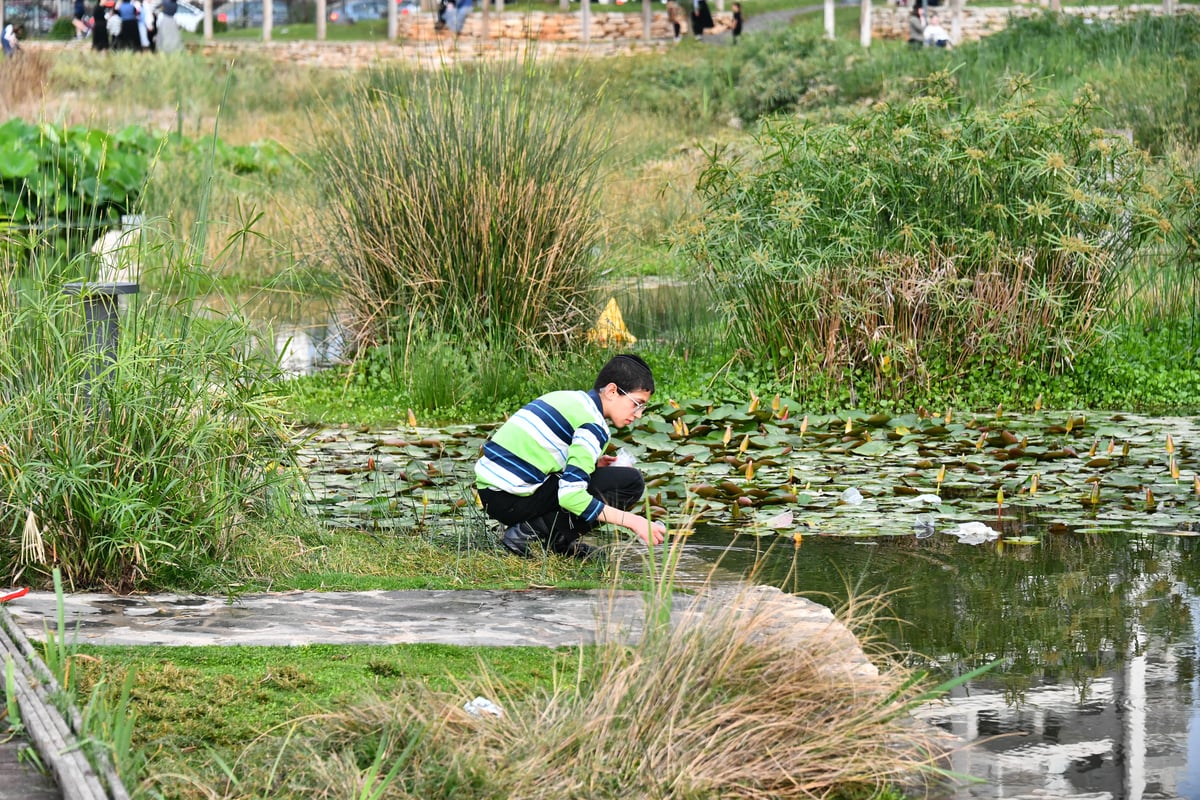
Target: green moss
(224, 697)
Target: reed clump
(139, 467)
(728, 702)
(929, 237)
(462, 201)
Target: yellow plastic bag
(610, 328)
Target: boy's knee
(621, 487)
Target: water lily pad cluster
(766, 470)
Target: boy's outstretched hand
(648, 532)
(658, 532)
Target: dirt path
(766, 21)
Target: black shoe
(580, 551)
(520, 539)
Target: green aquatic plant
(138, 465)
(760, 466)
(462, 201)
(979, 236)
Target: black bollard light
(100, 303)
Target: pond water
(309, 335)
(306, 334)
(1097, 691)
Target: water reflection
(305, 348)
(1096, 692)
(306, 334)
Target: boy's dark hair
(628, 372)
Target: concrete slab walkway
(540, 617)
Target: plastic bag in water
(852, 497)
(975, 533)
(923, 526)
(623, 459)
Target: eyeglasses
(638, 405)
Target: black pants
(621, 487)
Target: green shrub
(917, 231)
(71, 181)
(135, 472)
(462, 200)
(63, 29)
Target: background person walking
(456, 15)
(675, 17)
(702, 19)
(916, 24)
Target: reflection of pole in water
(304, 349)
(965, 725)
(1133, 706)
(1188, 784)
(295, 349)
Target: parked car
(249, 13)
(353, 11)
(357, 10)
(33, 18)
(189, 17)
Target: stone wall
(891, 22)
(551, 27)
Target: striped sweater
(561, 432)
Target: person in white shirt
(9, 40)
(935, 34)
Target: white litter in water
(780, 521)
(923, 526)
(925, 499)
(975, 533)
(852, 497)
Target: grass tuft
(728, 702)
(461, 201)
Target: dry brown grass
(23, 81)
(746, 695)
(730, 702)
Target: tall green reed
(461, 200)
(139, 467)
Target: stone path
(543, 617)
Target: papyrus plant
(928, 236)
